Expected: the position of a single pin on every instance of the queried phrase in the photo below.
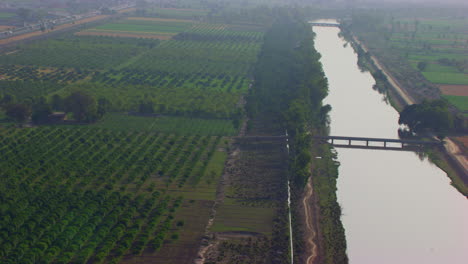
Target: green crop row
(91, 195)
(167, 124)
(91, 53)
(145, 26)
(205, 81)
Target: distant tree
(146, 107)
(18, 112)
(7, 99)
(102, 107)
(57, 103)
(82, 105)
(431, 116)
(422, 65)
(41, 111)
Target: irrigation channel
(397, 207)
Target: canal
(397, 208)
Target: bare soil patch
(46, 70)
(181, 9)
(123, 34)
(159, 19)
(459, 90)
(463, 141)
(6, 27)
(126, 10)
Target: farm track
(207, 241)
(309, 209)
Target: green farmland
(460, 102)
(423, 49)
(167, 124)
(104, 199)
(142, 180)
(145, 26)
(151, 136)
(4, 15)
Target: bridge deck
(324, 24)
(362, 142)
(387, 140)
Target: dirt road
(404, 96)
(310, 230)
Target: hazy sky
(462, 2)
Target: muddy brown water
(397, 208)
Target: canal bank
(449, 158)
(396, 208)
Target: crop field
(446, 77)
(181, 13)
(49, 74)
(173, 101)
(435, 47)
(133, 186)
(140, 28)
(190, 57)
(73, 52)
(423, 49)
(460, 102)
(167, 124)
(202, 72)
(250, 215)
(77, 195)
(460, 90)
(4, 15)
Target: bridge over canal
(361, 142)
(378, 143)
(319, 24)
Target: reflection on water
(396, 208)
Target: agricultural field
(140, 28)
(85, 194)
(438, 48)
(133, 185)
(178, 13)
(4, 15)
(74, 52)
(202, 72)
(168, 124)
(460, 102)
(250, 222)
(424, 49)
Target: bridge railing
(370, 143)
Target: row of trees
(289, 87)
(84, 108)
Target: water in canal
(396, 208)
